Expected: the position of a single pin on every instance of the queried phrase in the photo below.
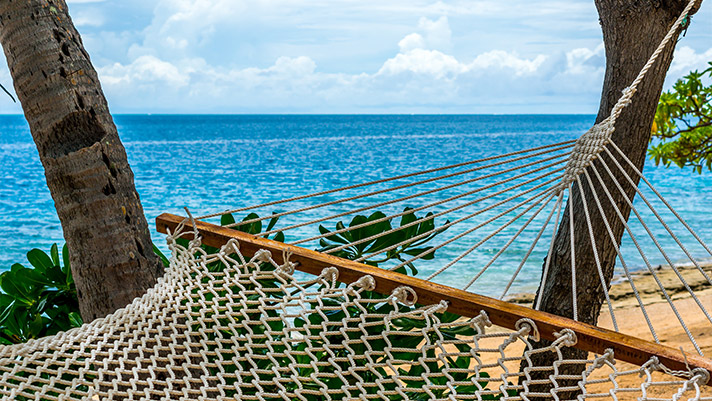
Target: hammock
(241, 316)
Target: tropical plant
(359, 230)
(40, 300)
(682, 129)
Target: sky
(353, 56)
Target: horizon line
(333, 114)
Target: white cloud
(145, 70)
(411, 42)
(583, 60)
(414, 78)
(433, 34)
(421, 61)
(500, 59)
(687, 59)
(437, 33)
(89, 17)
(354, 55)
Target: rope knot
(287, 268)
(405, 295)
(566, 337)
(330, 274)
(652, 365)
(528, 327)
(263, 255)
(480, 322)
(367, 283)
(607, 357)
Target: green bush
(40, 300)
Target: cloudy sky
(353, 56)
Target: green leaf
(75, 319)
(6, 312)
(418, 251)
(39, 260)
(35, 327)
(65, 259)
(227, 219)
(272, 222)
(12, 325)
(33, 277)
(161, 256)
(250, 228)
(16, 289)
(335, 238)
(54, 254)
(56, 277)
(279, 237)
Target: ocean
(211, 163)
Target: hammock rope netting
(232, 318)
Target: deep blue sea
(214, 163)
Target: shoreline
(622, 295)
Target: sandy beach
(628, 312)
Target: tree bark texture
(85, 162)
(632, 30)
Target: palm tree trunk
(85, 162)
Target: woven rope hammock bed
(242, 320)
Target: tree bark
(85, 162)
(632, 30)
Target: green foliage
(40, 300)
(682, 129)
(424, 230)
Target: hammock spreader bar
(589, 338)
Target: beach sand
(632, 321)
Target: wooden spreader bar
(590, 338)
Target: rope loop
(700, 376)
(233, 244)
(528, 327)
(195, 242)
(481, 322)
(441, 307)
(653, 364)
(405, 295)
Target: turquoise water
(213, 163)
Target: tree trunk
(632, 30)
(85, 163)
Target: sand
(631, 320)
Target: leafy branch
(353, 244)
(682, 128)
